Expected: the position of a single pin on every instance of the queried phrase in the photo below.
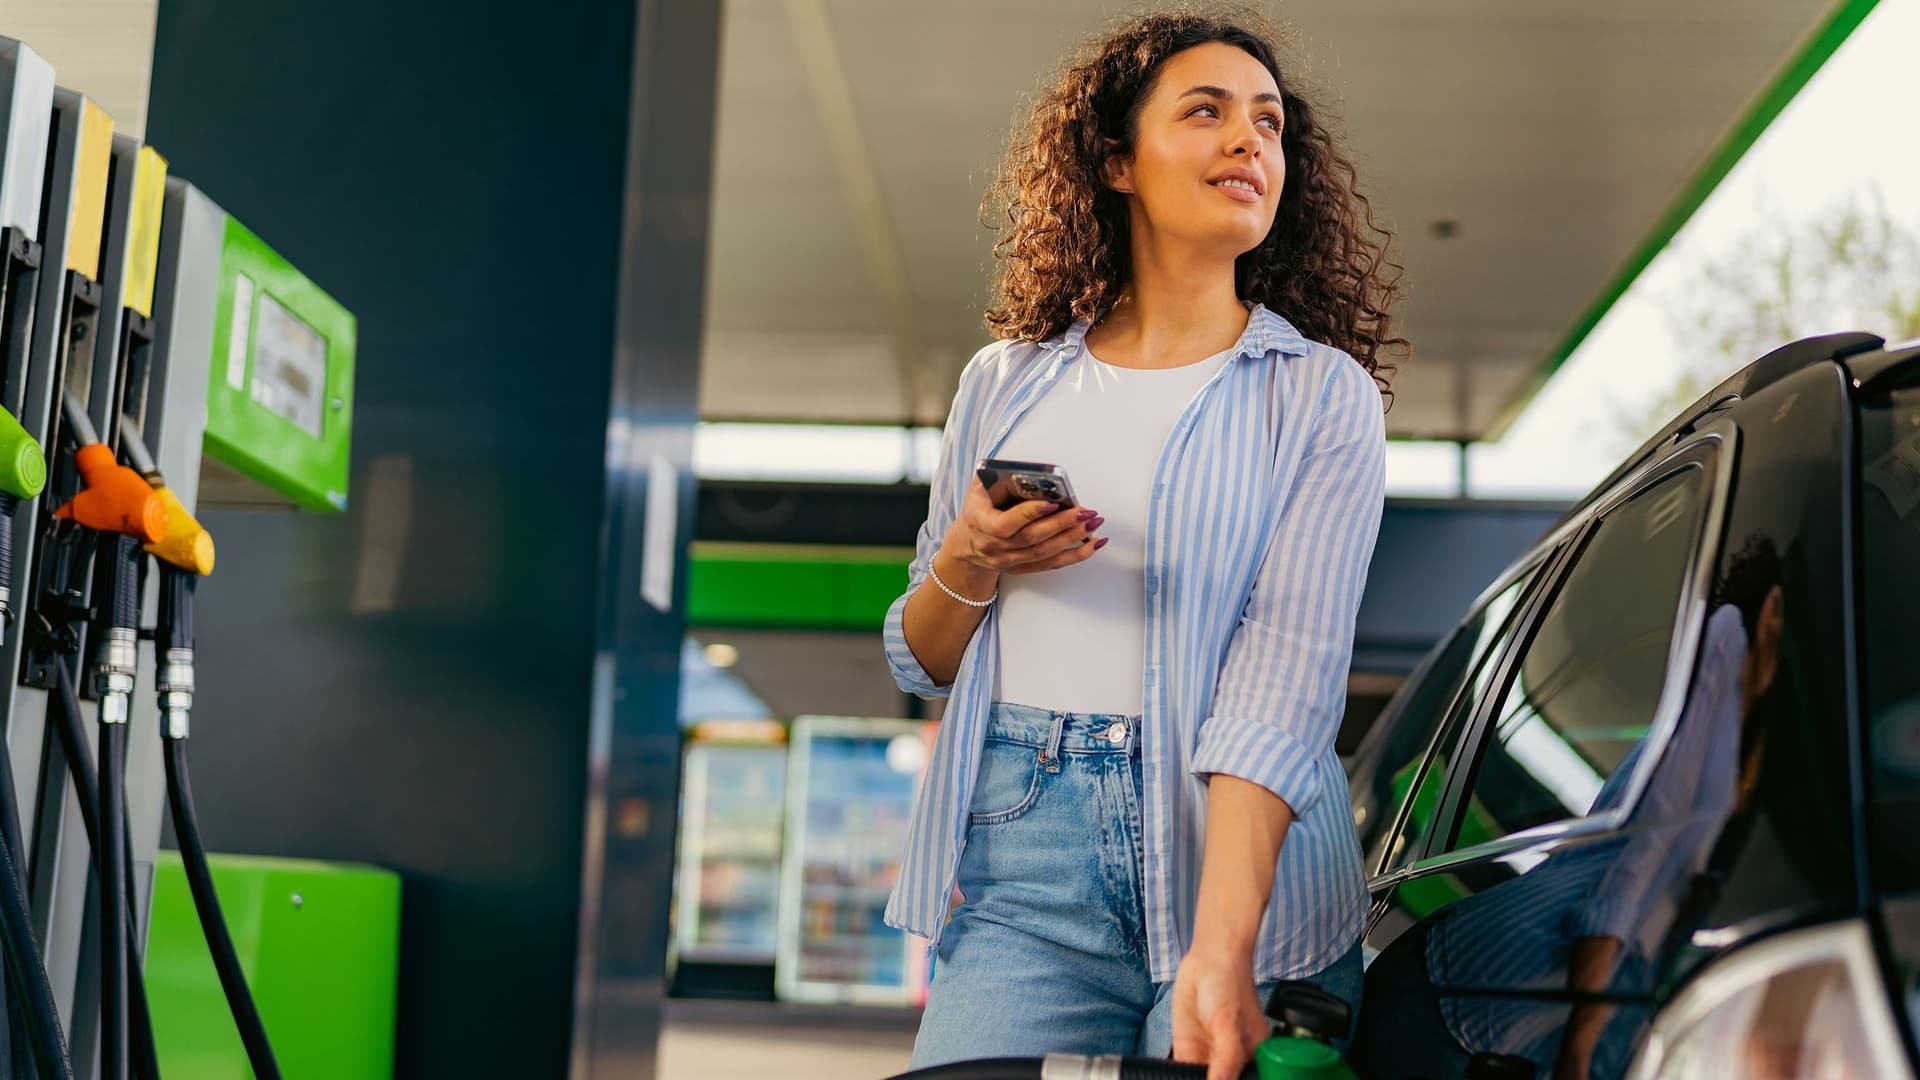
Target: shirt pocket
(1007, 784)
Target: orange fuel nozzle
(116, 498)
(187, 545)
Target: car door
(1529, 923)
(1400, 773)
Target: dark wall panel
(1432, 560)
(411, 684)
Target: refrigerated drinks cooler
(733, 806)
(850, 788)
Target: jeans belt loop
(1052, 755)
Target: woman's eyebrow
(1226, 95)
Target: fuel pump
(32, 1018)
(35, 1042)
(117, 512)
(119, 507)
(78, 358)
(65, 320)
(236, 372)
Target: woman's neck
(1176, 310)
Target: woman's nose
(1246, 142)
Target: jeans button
(1117, 733)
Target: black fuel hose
(9, 502)
(173, 640)
(123, 607)
(26, 973)
(73, 741)
(114, 1057)
(186, 830)
(175, 629)
(19, 1046)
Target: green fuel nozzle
(23, 474)
(23, 466)
(1306, 1021)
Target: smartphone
(1012, 482)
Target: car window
(1584, 690)
(1395, 779)
(1890, 590)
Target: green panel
(248, 436)
(324, 970)
(791, 586)
(1786, 85)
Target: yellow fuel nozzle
(187, 545)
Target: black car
(1654, 807)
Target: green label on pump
(280, 391)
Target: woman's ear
(1116, 168)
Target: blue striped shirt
(1265, 505)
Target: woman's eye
(1208, 109)
(1273, 122)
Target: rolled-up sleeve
(947, 494)
(1282, 690)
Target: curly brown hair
(1063, 244)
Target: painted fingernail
(1048, 508)
(1085, 514)
(1100, 543)
(1096, 523)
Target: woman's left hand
(1217, 1018)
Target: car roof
(1867, 356)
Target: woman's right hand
(1025, 538)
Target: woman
(1135, 790)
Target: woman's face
(1206, 166)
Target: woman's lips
(1237, 190)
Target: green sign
(280, 385)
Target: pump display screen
(289, 367)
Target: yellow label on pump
(89, 207)
(143, 233)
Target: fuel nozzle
(23, 466)
(23, 473)
(1307, 1020)
(186, 556)
(115, 499)
(187, 544)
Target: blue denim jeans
(1047, 953)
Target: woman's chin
(1232, 234)
(1243, 231)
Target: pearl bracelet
(935, 574)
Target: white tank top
(1074, 639)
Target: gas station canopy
(1529, 157)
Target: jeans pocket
(1007, 784)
